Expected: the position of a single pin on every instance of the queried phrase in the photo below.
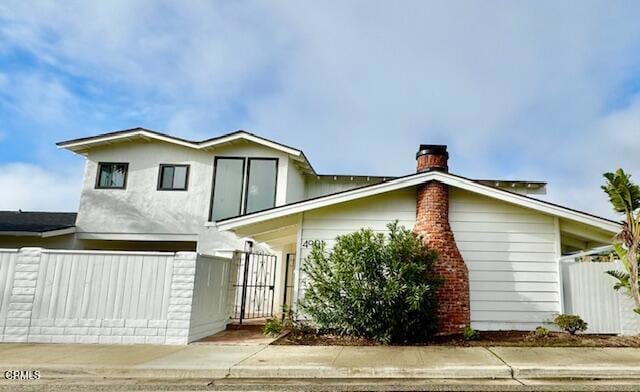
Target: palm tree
(624, 196)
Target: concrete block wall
(22, 325)
(181, 298)
(22, 294)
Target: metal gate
(255, 285)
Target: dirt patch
(493, 338)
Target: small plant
(273, 327)
(469, 333)
(287, 317)
(570, 323)
(541, 332)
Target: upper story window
(260, 192)
(112, 175)
(173, 177)
(243, 185)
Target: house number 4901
(310, 243)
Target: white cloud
(517, 89)
(42, 98)
(34, 188)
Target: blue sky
(540, 90)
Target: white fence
(8, 259)
(588, 292)
(209, 307)
(68, 296)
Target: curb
(450, 372)
(577, 372)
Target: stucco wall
(295, 183)
(142, 212)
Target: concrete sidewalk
(332, 362)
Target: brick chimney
(432, 222)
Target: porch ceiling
(275, 232)
(576, 236)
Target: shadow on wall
(115, 213)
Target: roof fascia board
(252, 138)
(197, 146)
(21, 233)
(137, 236)
(125, 135)
(42, 234)
(413, 180)
(54, 233)
(529, 202)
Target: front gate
(254, 288)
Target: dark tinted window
(173, 177)
(112, 175)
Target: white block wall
(98, 297)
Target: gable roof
(82, 144)
(417, 179)
(37, 223)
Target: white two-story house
(149, 191)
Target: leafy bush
(541, 332)
(570, 323)
(373, 286)
(273, 327)
(469, 333)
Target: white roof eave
(413, 180)
(84, 144)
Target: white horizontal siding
(324, 186)
(510, 251)
(511, 254)
(373, 212)
(502, 237)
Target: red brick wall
(432, 222)
(432, 161)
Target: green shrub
(374, 286)
(570, 323)
(273, 327)
(469, 333)
(541, 332)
